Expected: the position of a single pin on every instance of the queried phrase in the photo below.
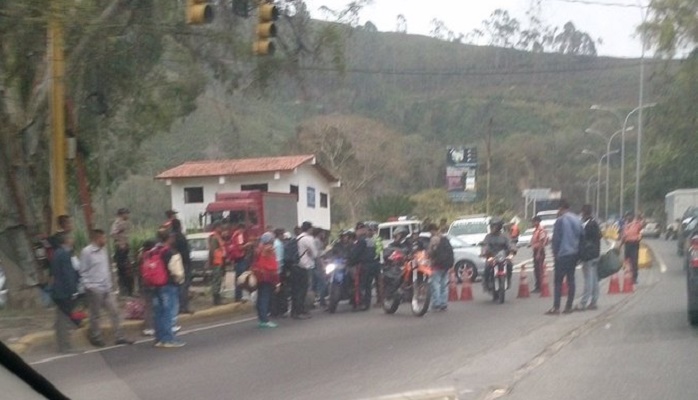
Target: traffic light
(199, 12)
(266, 29)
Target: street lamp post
(598, 173)
(622, 144)
(608, 164)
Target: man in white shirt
(300, 274)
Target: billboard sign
(461, 173)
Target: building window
(193, 195)
(261, 187)
(294, 190)
(311, 197)
(323, 200)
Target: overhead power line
(600, 3)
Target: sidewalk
(26, 332)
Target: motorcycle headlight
(329, 268)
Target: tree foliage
(383, 207)
(672, 24)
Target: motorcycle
(496, 276)
(406, 279)
(341, 284)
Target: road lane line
(182, 333)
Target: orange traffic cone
(524, 291)
(466, 291)
(452, 288)
(564, 291)
(544, 286)
(628, 284)
(614, 284)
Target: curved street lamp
(624, 123)
(598, 172)
(608, 164)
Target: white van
(470, 229)
(386, 230)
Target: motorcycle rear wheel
(421, 298)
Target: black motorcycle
(497, 277)
(342, 283)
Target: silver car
(468, 262)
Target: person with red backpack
(162, 272)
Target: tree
(362, 152)
(672, 24)
(401, 26)
(572, 41)
(383, 207)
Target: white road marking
(182, 333)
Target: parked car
(651, 229)
(688, 224)
(471, 229)
(198, 244)
(386, 230)
(692, 277)
(525, 238)
(467, 260)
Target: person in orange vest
(630, 238)
(539, 240)
(514, 233)
(216, 259)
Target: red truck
(256, 209)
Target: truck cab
(253, 208)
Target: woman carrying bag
(266, 269)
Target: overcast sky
(614, 25)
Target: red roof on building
(208, 168)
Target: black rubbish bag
(609, 263)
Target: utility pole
(57, 104)
(489, 164)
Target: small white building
(194, 184)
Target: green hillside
(442, 92)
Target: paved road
(633, 344)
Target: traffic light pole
(57, 107)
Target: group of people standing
(578, 240)
(86, 279)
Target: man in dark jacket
(182, 246)
(361, 257)
(589, 253)
(65, 289)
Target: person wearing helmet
(342, 247)
(497, 241)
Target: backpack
(291, 256)
(443, 254)
(153, 268)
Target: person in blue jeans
(440, 265)
(166, 298)
(589, 253)
(567, 234)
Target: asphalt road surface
(637, 346)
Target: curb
(132, 328)
(429, 394)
